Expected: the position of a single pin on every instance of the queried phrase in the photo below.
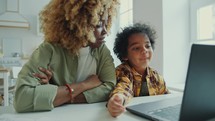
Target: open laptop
(198, 103)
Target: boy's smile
(139, 51)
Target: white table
(4, 74)
(79, 112)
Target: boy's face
(139, 51)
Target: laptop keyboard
(170, 113)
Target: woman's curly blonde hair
(71, 23)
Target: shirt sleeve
(124, 84)
(106, 73)
(30, 95)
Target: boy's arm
(124, 86)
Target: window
(202, 20)
(126, 13)
(205, 22)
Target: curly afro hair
(121, 41)
(71, 23)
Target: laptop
(198, 103)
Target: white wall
(176, 36)
(30, 40)
(150, 11)
(2, 6)
(171, 21)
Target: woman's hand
(92, 82)
(115, 105)
(44, 78)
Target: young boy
(134, 47)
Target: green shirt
(30, 95)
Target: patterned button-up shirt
(129, 82)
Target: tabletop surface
(79, 112)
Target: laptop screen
(199, 94)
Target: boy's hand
(115, 105)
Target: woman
(74, 49)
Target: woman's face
(139, 51)
(100, 33)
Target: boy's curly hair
(71, 23)
(121, 41)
